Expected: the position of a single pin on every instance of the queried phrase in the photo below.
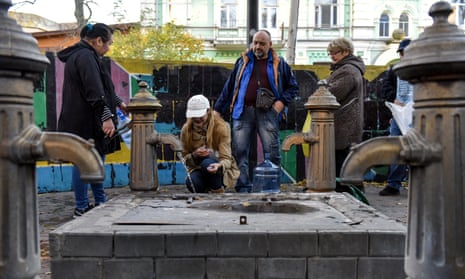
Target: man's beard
(259, 54)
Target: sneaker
(389, 191)
(79, 212)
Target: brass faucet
(144, 167)
(321, 172)
(32, 145)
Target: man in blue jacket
(258, 69)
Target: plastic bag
(403, 115)
(124, 120)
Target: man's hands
(278, 106)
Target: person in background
(259, 67)
(89, 104)
(347, 84)
(206, 143)
(400, 92)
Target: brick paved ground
(56, 209)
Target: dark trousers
(203, 180)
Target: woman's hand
(213, 168)
(108, 128)
(201, 152)
(124, 108)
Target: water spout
(33, 145)
(173, 141)
(298, 138)
(376, 151)
(412, 149)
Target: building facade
(222, 24)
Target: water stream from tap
(183, 162)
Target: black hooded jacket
(87, 92)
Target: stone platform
(286, 235)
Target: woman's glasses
(333, 52)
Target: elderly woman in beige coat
(347, 84)
(206, 142)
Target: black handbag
(265, 97)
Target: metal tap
(434, 149)
(144, 167)
(321, 172)
(21, 145)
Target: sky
(62, 11)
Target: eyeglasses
(333, 52)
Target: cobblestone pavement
(56, 209)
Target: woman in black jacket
(89, 103)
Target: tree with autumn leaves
(169, 42)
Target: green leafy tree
(167, 43)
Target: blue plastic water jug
(266, 177)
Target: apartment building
(224, 25)
(369, 23)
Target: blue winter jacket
(281, 78)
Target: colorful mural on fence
(173, 85)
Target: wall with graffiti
(173, 84)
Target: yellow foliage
(169, 43)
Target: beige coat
(218, 138)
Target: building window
(268, 15)
(403, 23)
(459, 6)
(228, 13)
(325, 13)
(384, 25)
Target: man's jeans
(80, 190)
(244, 132)
(397, 173)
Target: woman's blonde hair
(210, 128)
(341, 44)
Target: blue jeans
(244, 132)
(80, 190)
(397, 173)
(204, 180)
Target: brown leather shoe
(217, 191)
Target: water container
(266, 177)
(123, 120)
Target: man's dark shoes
(389, 191)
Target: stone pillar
(435, 63)
(20, 63)
(321, 172)
(143, 169)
